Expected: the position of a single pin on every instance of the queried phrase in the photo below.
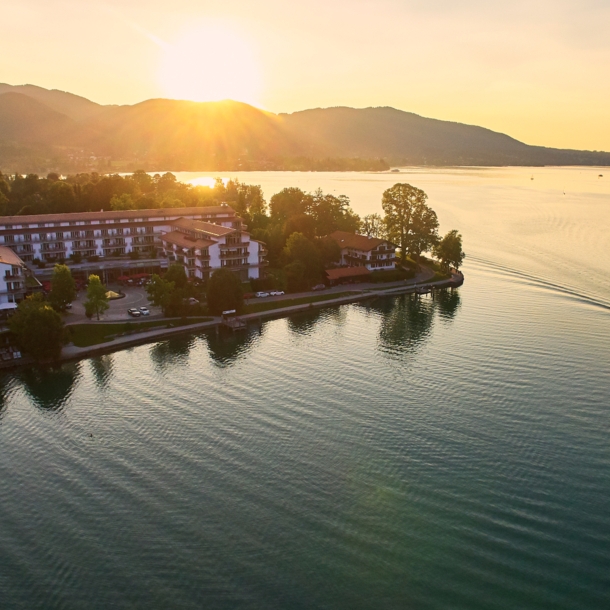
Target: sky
(536, 69)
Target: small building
(362, 251)
(343, 275)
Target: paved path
(358, 292)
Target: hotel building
(106, 239)
(203, 246)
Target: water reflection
(226, 347)
(448, 302)
(304, 323)
(406, 321)
(173, 352)
(4, 381)
(50, 389)
(101, 368)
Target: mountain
(64, 132)
(24, 120)
(73, 106)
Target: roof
(184, 241)
(8, 257)
(358, 242)
(109, 215)
(346, 272)
(205, 227)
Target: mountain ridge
(66, 132)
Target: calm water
(446, 453)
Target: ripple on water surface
(403, 452)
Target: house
(203, 247)
(12, 280)
(363, 251)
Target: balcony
(18, 288)
(233, 254)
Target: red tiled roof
(184, 241)
(358, 242)
(346, 272)
(8, 257)
(205, 227)
(109, 215)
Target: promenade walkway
(358, 292)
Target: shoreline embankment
(72, 352)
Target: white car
(277, 293)
(144, 311)
(260, 295)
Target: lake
(446, 452)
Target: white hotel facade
(109, 237)
(12, 279)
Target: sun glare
(210, 63)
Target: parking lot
(135, 296)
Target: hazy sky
(537, 69)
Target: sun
(211, 62)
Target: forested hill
(49, 130)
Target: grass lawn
(268, 305)
(85, 335)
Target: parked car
(249, 295)
(144, 311)
(277, 293)
(260, 295)
(133, 312)
(68, 305)
(319, 287)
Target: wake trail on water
(541, 282)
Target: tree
(224, 292)
(122, 202)
(303, 251)
(38, 328)
(373, 226)
(159, 292)
(333, 214)
(289, 202)
(177, 275)
(449, 250)
(97, 301)
(409, 222)
(63, 287)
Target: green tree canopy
(449, 250)
(224, 292)
(177, 275)
(122, 202)
(304, 252)
(289, 202)
(409, 221)
(160, 292)
(63, 287)
(97, 301)
(38, 328)
(373, 226)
